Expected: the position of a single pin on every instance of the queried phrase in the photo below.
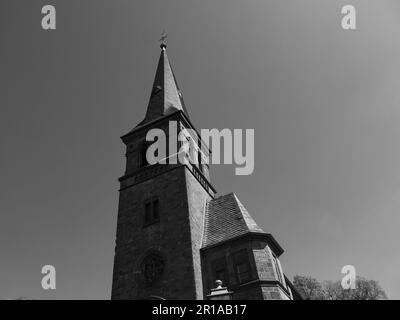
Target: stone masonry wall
(170, 237)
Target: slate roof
(226, 218)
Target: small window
(156, 214)
(148, 217)
(243, 272)
(220, 274)
(143, 160)
(151, 212)
(278, 269)
(199, 161)
(242, 266)
(220, 271)
(199, 152)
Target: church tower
(161, 206)
(175, 237)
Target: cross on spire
(163, 39)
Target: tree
(312, 289)
(365, 290)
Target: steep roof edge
(250, 222)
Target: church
(176, 237)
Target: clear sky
(324, 104)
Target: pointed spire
(165, 96)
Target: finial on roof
(163, 39)
(218, 283)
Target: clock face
(152, 268)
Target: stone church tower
(175, 237)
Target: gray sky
(324, 104)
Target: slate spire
(165, 95)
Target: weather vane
(163, 39)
